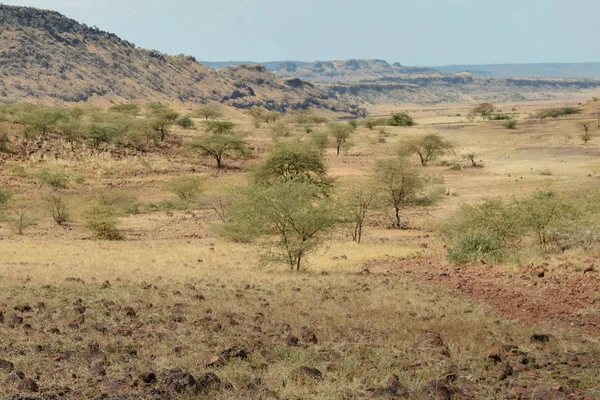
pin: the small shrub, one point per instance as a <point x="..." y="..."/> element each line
<point x="20" y="221"/>
<point x="5" y="197"/>
<point x="120" y="201"/>
<point x="187" y="188"/>
<point x="58" y="207"/>
<point x="586" y="138"/>
<point x="103" y="222"/>
<point x="455" y="167"/>
<point x="401" y="119"/>
<point x="79" y="178"/>
<point x="16" y="170"/>
<point x="56" y="179"/>
<point x="500" y="117"/>
<point x="510" y="124"/>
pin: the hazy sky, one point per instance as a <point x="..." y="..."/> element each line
<point x="412" y="32"/>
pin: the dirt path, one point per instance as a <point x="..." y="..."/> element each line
<point x="542" y="294"/>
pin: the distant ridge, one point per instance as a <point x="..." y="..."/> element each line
<point x="589" y="70"/>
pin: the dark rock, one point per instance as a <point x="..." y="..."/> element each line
<point x="233" y="352"/>
<point x="15" y="320"/>
<point x="148" y="377"/>
<point x="437" y="389"/>
<point x="540" y="338"/>
<point x="308" y="336"/>
<point x="179" y="381"/>
<point x="98" y="369"/>
<point x="304" y="374"/>
<point x="105" y="285"/>
<point x="208" y="381"/>
<point x="15" y="376"/>
<point x="6" y="366"/>
<point x="505" y="371"/>
<point x="494" y="355"/>
<point x="393" y="388"/>
<point x="130" y="312"/>
<point x="28" y="384"/>
<point x="24" y="308"/>
<point x="292" y="340"/>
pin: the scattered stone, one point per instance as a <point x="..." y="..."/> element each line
<point x="292" y="341"/>
<point x="213" y="360"/>
<point x="105" y="285"/>
<point x="589" y="269"/>
<point x="6" y="366"/>
<point x="98" y="369"/>
<point x="15" y="377"/>
<point x="208" y="381"/>
<point x="494" y="355"/>
<point x="79" y="320"/>
<point x="179" y="381"/>
<point x="540" y="338"/>
<point x="393" y="388"/>
<point x="148" y="377"/>
<point x="308" y="336"/>
<point x="1" y="317"/>
<point x="437" y="389"/>
<point x="24" y="308"/>
<point x="130" y="312"/>
<point x="28" y="384"/>
<point x="505" y="371"/>
<point x="304" y="374"/>
<point x="80" y="309"/>
<point x="15" y="320"/>
<point x="233" y="352"/>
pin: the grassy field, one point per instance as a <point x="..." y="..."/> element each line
<point x="85" y="318"/>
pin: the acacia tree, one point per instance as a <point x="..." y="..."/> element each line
<point x="400" y="183"/>
<point x="341" y="133"/>
<point x="40" y="120"/>
<point x="129" y="109"/>
<point x="358" y="204"/>
<point x="428" y="147"/>
<point x="208" y="111"/>
<point x="290" y="218"/>
<point x="161" y="118"/>
<point x="485" y="110"/>
<point x="219" y="127"/>
<point x="219" y="146"/>
<point x="293" y="162"/>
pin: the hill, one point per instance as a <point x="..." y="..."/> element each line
<point x="48" y="58"/>
<point x="540" y="70"/>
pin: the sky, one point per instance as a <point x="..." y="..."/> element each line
<point x="412" y="32"/>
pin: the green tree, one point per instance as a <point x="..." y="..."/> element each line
<point x="187" y="188"/>
<point x="258" y="115"/>
<point x="289" y="217"/>
<point x="219" y="127"/>
<point x="40" y="120"/>
<point x="401" y="119"/>
<point x="100" y="132"/>
<point x="293" y="162"/>
<point x="400" y="184"/>
<point x="341" y="133"/>
<point x="130" y="109"/>
<point x="428" y="147"/>
<point x="358" y="204"/>
<point x="208" y="111"/>
<point x="161" y="117"/>
<point x="219" y="146"/>
<point x="185" y="122"/>
<point x="484" y="110"/>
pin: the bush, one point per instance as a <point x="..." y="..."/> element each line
<point x="56" y="179"/>
<point x="510" y="124"/>
<point x="500" y="117"/>
<point x="187" y="188"/>
<point x="121" y="202"/>
<point x="57" y="205"/>
<point x="20" y="221"/>
<point x="5" y="196"/>
<point x="473" y="246"/>
<point x="185" y="122"/>
<point x="556" y="112"/>
<point x="401" y="119"/>
<point x="103" y="221"/>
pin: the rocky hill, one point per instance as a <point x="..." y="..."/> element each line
<point x="49" y="58"/>
<point x="347" y="70"/>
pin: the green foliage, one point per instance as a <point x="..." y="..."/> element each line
<point x="510" y="124"/>
<point x="41" y="120"/>
<point x="371" y="123"/>
<point x="101" y="133"/>
<point x="220" y="146"/>
<point x="121" y="202"/>
<point x="103" y="221"/>
<point x="208" y="111"/>
<point x="5" y="197"/>
<point x="400" y="184"/>
<point x="297" y="161"/>
<point x="320" y="139"/>
<point x="53" y="177"/>
<point x="356" y="205"/>
<point x="280" y="129"/>
<point x="219" y="127"/>
<point x="129" y="109"/>
<point x="161" y="118"/>
<point x="185" y="122"/>
<point x="307" y="116"/>
<point x="290" y="218"/>
<point x="401" y="119"/>
<point x="487" y="230"/>
<point x="340" y="133"/>
<point x="500" y="117"/>
<point x="484" y="110"/>
<point x="187" y="188"/>
<point x="557" y="112"/>
<point x="586" y="138"/>
<point x="20" y="220"/>
<point x="428" y="147"/>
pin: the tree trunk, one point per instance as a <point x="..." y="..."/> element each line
<point x="398" y="217"/>
<point x="298" y="262"/>
<point x="338" y="149"/>
<point x="219" y="165"/>
<point x="359" y="232"/>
